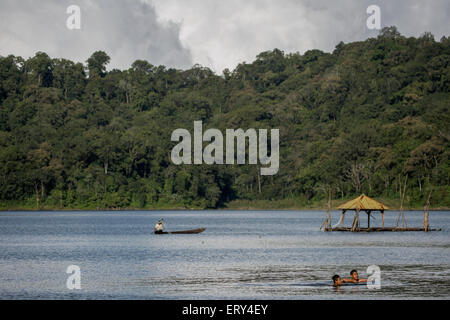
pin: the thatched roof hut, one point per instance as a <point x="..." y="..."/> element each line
<point x="362" y="203"/>
<point x="368" y="205"/>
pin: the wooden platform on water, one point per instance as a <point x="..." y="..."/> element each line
<point x="376" y="229"/>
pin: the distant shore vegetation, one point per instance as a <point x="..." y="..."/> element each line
<point x="364" y="118"/>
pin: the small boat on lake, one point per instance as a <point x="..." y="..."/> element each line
<point x="193" y="231"/>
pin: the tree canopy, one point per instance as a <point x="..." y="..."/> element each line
<point x="355" y="120"/>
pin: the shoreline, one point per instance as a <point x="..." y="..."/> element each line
<point x="241" y="205"/>
<point x="18" y="209"/>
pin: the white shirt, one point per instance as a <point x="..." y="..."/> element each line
<point x="159" y="226"/>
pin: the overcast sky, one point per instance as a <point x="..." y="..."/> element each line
<point x="214" y="33"/>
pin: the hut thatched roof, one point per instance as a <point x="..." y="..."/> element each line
<point x="363" y="202"/>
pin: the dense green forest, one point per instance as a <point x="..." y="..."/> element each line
<point x="362" y="119"/>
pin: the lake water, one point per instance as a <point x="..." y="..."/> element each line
<point x="241" y="255"/>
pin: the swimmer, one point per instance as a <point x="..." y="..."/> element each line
<point x="337" y="281"/>
<point x="354" y="278"/>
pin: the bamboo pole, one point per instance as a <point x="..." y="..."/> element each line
<point x="328" y="220"/>
<point x="355" y="224"/>
<point x="401" y="214"/>
<point x="326" y="225"/>
<point x="426" y="222"/>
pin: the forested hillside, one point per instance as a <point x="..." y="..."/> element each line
<point x="361" y="119"/>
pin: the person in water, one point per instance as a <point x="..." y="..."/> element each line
<point x="159" y="227"/>
<point x="354" y="278"/>
<point x="337" y="281"/>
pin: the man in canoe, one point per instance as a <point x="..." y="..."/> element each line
<point x="159" y="227"/>
<point x="354" y="278"/>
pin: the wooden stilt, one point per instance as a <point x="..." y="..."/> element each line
<point x="426" y="222"/>
<point x="342" y="217"/>
<point x="401" y="214"/>
<point x="369" y="212"/>
<point x="326" y="225"/>
<point x="355" y="224"/>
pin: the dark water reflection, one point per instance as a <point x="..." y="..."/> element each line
<point x="252" y="255"/>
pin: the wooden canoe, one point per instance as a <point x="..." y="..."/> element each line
<point x="193" y="231"/>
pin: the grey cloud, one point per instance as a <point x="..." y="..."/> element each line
<point x="221" y="34"/>
<point x="215" y="33"/>
<point x="127" y="30"/>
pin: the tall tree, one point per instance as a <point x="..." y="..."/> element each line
<point x="97" y="63"/>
